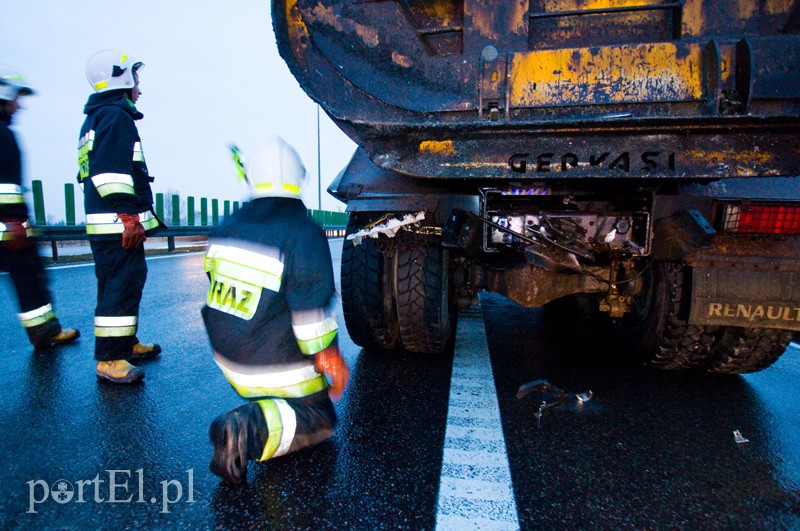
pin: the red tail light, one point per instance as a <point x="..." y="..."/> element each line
<point x="761" y="219"/>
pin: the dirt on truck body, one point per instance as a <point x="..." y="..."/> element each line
<point x="637" y="158"/>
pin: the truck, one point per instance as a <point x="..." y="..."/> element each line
<point x="636" y="159"/>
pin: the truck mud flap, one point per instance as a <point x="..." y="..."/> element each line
<point x="747" y="298"/>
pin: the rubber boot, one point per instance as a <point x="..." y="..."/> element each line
<point x="143" y="351"/>
<point x="238" y="436"/>
<point x="119" y="371"/>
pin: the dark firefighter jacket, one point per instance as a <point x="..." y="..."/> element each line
<point x="12" y="202"/>
<point x="270" y="303"/>
<point x="112" y="169"/>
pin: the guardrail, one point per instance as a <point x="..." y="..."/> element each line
<point x="60" y="233"/>
<point x="334" y="223"/>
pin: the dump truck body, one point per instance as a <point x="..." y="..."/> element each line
<point x="639" y="155"/>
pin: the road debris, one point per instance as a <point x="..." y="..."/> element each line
<point x="551" y="397"/>
<point x="584" y="397"/>
<point x="737" y="436"/>
<point x="539" y="414"/>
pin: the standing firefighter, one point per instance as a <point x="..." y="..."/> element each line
<point x="18" y="253"/>
<point x="269" y="316"/>
<point x="119" y="211"/>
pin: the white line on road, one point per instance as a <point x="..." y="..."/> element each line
<point x="91" y="264"/>
<point x="475" y="491"/>
<point x="148" y="258"/>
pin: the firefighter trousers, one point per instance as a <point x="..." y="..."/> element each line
<point x="29" y="278"/>
<point x="121" y="275"/>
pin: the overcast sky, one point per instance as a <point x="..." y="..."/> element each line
<point x="212" y="77"/>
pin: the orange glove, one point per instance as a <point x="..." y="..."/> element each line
<point x="18" y="233"/>
<point x="133" y="236"/>
<point x="330" y="363"/>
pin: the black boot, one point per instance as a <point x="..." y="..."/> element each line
<point x="238" y="436"/>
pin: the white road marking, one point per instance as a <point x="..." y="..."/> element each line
<point x="148" y="258"/>
<point x="91" y="263"/>
<point x="475" y="491"/>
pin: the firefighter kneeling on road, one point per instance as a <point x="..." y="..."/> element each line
<point x="269" y="316"/>
<point x="18" y="253"/>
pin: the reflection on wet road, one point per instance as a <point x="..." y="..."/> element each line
<point x="649" y="450"/>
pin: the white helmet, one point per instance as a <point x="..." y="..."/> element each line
<point x="12" y="84"/>
<point x="276" y="170"/>
<point x="112" y="70"/>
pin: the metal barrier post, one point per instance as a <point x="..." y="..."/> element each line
<point x="38" y="203"/>
<point x="69" y="203"/>
<point x="215" y="212"/>
<point x="226" y="208"/>
<point x="190" y="211"/>
<point x="160" y="205"/>
<point x="203" y="211"/>
<point x="235" y="206"/>
<point x="176" y="210"/>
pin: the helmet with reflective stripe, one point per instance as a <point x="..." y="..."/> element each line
<point x="12" y="84"/>
<point x="112" y="70"/>
<point x="276" y="170"/>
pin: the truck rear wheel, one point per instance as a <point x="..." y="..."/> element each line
<point x="744" y="350"/>
<point x="425" y="316"/>
<point x="657" y="330"/>
<point x="367" y="300"/>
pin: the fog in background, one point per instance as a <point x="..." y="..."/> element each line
<point x="212" y="77"/>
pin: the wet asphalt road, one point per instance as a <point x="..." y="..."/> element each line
<point x="650" y="450"/>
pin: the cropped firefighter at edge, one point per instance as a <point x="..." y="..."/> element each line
<point x="269" y="317"/>
<point x="119" y="211"/>
<point x="18" y="253"/>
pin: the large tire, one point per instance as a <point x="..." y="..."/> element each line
<point x="657" y="329"/>
<point x="367" y="300"/>
<point x="745" y="350"/>
<point x="425" y="316"/>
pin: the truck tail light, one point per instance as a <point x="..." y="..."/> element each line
<point x="764" y="218"/>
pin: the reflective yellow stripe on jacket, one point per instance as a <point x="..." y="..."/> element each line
<point x="6" y="236"/>
<point x="237" y="278"/>
<point x="247" y="266"/>
<point x="113" y="183"/>
<point x="109" y="223"/>
<point x="314" y="330"/>
<point x="138" y="154"/>
<point x="11" y="194"/>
